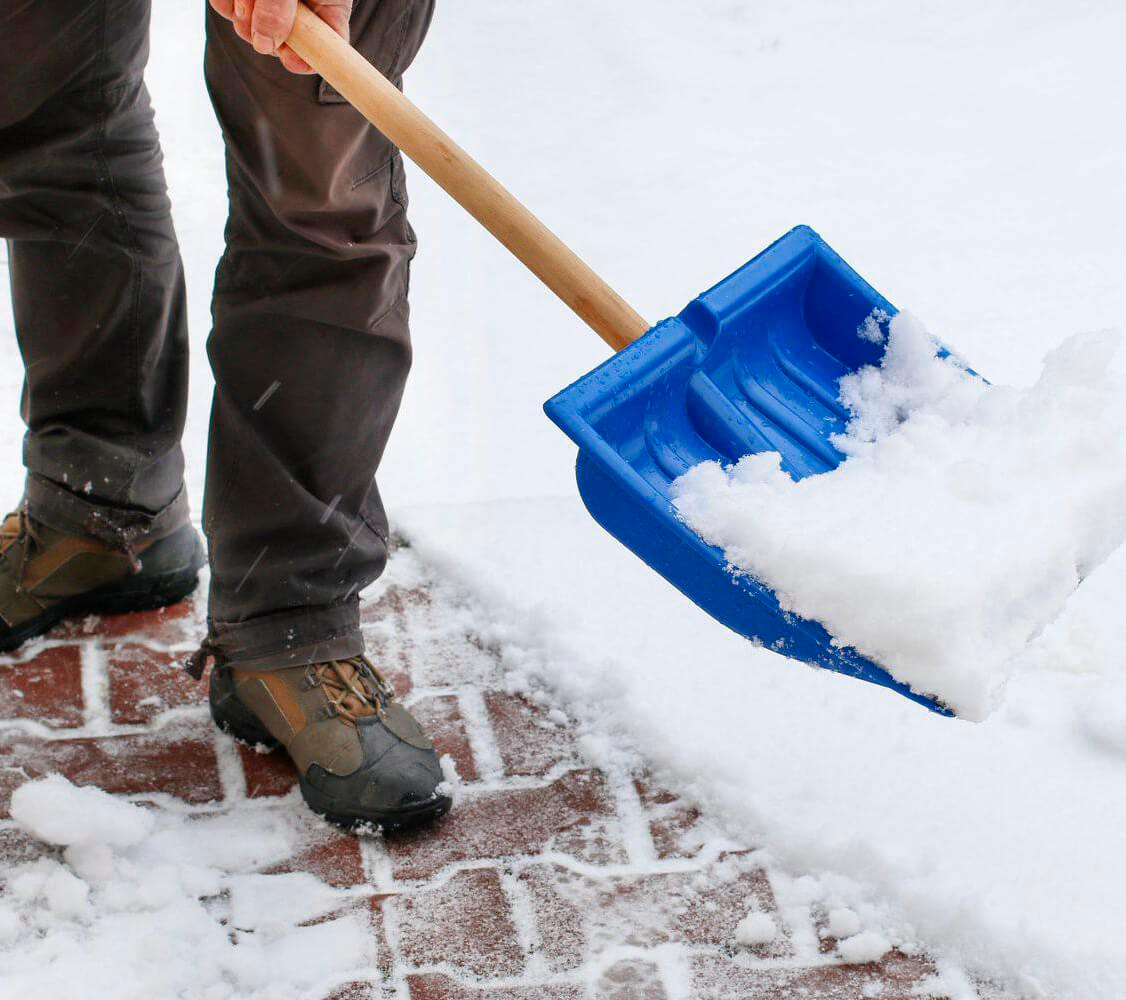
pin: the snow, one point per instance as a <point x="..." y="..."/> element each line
<point x="843" y="922"/>
<point x="451" y="781"/>
<point x="867" y="946"/>
<point x="980" y="840"/>
<point x="756" y="928"/>
<point x="167" y="897"/>
<point x="66" y="895"/>
<point x="57" y="812"/>
<point x="290" y="898"/>
<point x="961" y="521"/>
<point x="9" y="925"/>
<point x="958" y="155"/>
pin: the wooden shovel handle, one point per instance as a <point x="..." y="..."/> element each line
<point x="541" y="251"/>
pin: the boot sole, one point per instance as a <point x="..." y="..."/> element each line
<point x="113" y="599"/>
<point x="233" y="718"/>
<point x="385" y="821"/>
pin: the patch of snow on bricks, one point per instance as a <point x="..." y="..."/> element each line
<point x="843" y="922"/>
<point x="58" y="812"/>
<point x="171" y="898"/>
<point x="756" y="928"/>
<point x="867" y="946"/>
<point x="451" y="782"/>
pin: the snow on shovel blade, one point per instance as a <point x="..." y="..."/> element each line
<point x="751" y="365"/>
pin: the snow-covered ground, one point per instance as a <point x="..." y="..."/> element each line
<point x="965" y="157"/>
<point x="157" y="894"/>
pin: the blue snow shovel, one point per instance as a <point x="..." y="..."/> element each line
<point x="751" y="365"/>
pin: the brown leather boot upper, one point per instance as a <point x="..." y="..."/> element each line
<point x="40" y="567"/>
<point x="47" y="574"/>
<point x="313" y="710"/>
<point x="361" y="755"/>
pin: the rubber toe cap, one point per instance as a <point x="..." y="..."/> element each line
<point x="399" y="776"/>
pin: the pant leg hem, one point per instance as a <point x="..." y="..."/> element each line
<point x="289" y="638"/>
<point x="66" y="511"/>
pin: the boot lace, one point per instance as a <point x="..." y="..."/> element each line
<point x="354" y="687"/>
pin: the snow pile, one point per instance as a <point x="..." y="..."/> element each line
<point x="843" y="922"/>
<point x="755" y="929"/>
<point x="58" y="812"/>
<point x="962" y="519"/>
<point x="867" y="946"/>
<point x="926" y="828"/>
<point x="170" y="898"/>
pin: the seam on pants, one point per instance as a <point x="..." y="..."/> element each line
<point x="364" y="178"/>
<point x="376" y="323"/>
<point x="407" y="18"/>
<point x="373" y="529"/>
<point x="400" y="199"/>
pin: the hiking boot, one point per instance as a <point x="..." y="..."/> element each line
<point x="362" y="758"/>
<point x="48" y="575"/>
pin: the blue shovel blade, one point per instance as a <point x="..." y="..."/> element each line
<point x="751" y="365"/>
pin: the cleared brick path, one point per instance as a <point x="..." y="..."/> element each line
<point x="554" y="877"/>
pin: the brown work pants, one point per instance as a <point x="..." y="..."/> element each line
<point x="309" y="343"/>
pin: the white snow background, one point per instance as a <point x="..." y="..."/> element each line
<point x="967" y="159"/>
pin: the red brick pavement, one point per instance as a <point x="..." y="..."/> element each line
<point x="553" y="877"/>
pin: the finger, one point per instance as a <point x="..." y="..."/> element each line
<point x="271" y="21"/>
<point x="242" y="29"/>
<point x="293" y="62"/>
<point x="335" y="13"/>
<point x="225" y="8"/>
<point x="241" y="20"/>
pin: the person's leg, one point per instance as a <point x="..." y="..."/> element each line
<point x="97" y="283"/>
<point x="98" y="295"/>
<point x="310" y="350"/>
<point x="310" y="347"/>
